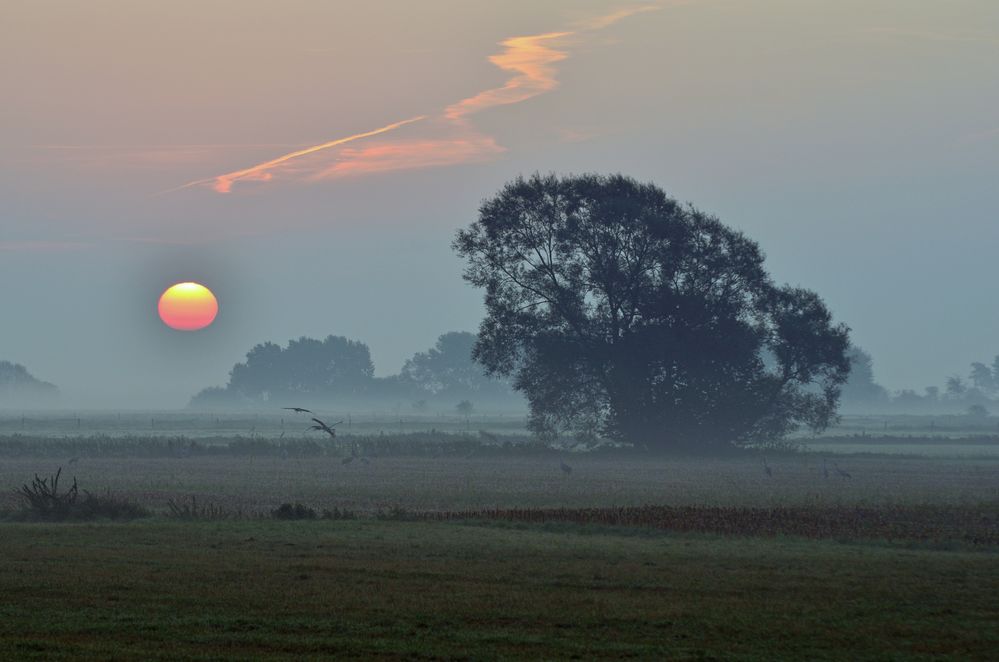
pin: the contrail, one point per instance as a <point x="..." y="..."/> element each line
<point x="530" y="59"/>
<point x="223" y="183"/>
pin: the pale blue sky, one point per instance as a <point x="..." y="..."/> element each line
<point x="858" y="142"/>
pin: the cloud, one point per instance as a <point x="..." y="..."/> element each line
<point x="450" y="140"/>
<point x="264" y="171"/>
<point x="530" y="60"/>
<point x="406" y="155"/>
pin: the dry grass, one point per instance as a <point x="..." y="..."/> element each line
<point x="935" y="526"/>
<point x="261" y="484"/>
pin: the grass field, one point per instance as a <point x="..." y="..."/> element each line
<point x="271" y="423"/>
<point x="301" y="590"/>
<point x="470" y="548"/>
<point x="251" y="484"/>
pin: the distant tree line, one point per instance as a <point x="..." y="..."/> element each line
<point x="19" y="388"/>
<point x="616" y="312"/>
<point x="337" y="370"/>
<point x="977" y="394"/>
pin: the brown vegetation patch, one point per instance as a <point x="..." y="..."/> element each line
<point x="978" y="526"/>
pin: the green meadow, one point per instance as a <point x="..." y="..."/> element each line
<point x="481" y="545"/>
<point x="414" y="590"/>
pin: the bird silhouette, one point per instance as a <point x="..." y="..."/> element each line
<point x="766" y="467"/>
<point x="74" y="460"/>
<point x="347" y="460"/>
<point x="298" y="410"/>
<point x="825" y="470"/>
<point x="841" y="472"/>
<point x="328" y="429"/>
<point x="566" y="469"/>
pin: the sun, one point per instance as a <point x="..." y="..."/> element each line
<point x="188" y="306"/>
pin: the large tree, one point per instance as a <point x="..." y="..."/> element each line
<point x="619" y="311"/>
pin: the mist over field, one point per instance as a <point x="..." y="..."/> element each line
<point x="476" y="330"/>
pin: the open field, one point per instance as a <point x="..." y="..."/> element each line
<point x="256" y="483"/>
<point x="484" y="546"/>
<point x="272" y="423"/>
<point x="393" y="590"/>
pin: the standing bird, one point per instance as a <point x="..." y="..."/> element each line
<point x="841" y="472"/>
<point x="566" y="469"/>
<point x="825" y="469"/>
<point x="766" y="467"/>
<point x="298" y="410"/>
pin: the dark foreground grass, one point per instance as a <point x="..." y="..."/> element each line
<point x="375" y="589"/>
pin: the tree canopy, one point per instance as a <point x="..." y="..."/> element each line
<point x="19" y="387"/>
<point x="306" y="367"/>
<point x="337" y="369"/>
<point x="619" y="311"/>
<point x="861" y="390"/>
<point x="448" y="370"/>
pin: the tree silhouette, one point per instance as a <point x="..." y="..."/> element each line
<point x="982" y="378"/>
<point x="861" y="388"/>
<point x="331" y="366"/>
<point x="448" y="369"/>
<point x="19" y="387"/>
<point x="618" y="310"/>
<point x="956" y="388"/>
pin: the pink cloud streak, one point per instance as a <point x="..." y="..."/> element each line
<point x="531" y="60"/>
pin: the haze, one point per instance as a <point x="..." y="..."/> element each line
<point x="142" y="145"/>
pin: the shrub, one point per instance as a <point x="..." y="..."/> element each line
<point x="42" y="500"/>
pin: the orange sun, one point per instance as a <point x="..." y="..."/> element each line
<point x="188" y="307"/>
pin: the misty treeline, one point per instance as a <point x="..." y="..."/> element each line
<point x="976" y="394"/>
<point x="617" y="313"/>
<point x="614" y="312"/>
<point x="18" y="387"/>
<point x="337" y="371"/>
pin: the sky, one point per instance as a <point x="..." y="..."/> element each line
<point x="311" y="161"/>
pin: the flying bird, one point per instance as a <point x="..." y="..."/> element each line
<point x="328" y="429"/>
<point x="841" y="472"/>
<point x="298" y="410"/>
